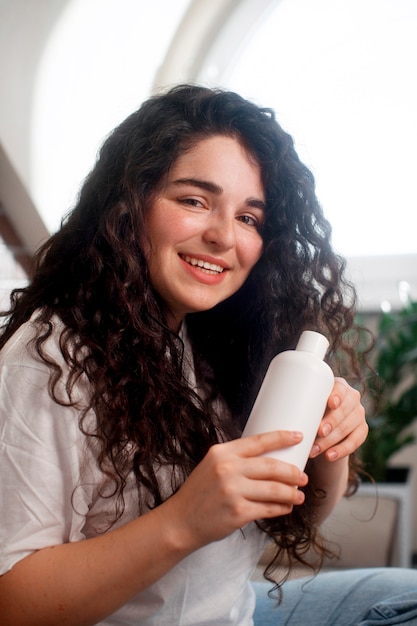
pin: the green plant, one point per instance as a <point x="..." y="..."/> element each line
<point x="393" y="391"/>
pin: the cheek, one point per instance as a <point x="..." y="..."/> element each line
<point x="160" y="232"/>
<point x="252" y="253"/>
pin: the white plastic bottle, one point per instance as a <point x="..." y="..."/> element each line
<point x="293" y="396"/>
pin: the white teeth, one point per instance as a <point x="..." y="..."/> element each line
<point x="203" y="264"/>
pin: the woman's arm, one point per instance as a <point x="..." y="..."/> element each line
<point x="342" y="430"/>
<point x="82" y="582"/>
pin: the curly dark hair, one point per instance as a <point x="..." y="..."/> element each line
<point x="93" y="275"/>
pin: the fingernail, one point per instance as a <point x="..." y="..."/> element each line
<point x="326" y="430"/>
<point x="336" y="401"/>
<point x="300" y="497"/>
<point x="332" y="455"/>
<point x="315" y="450"/>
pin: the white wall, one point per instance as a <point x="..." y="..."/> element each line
<point x="24" y="27"/>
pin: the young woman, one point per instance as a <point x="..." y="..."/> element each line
<point x="196" y="252"/>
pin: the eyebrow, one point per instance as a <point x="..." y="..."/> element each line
<point x="217" y="190"/>
<point x="202" y="184"/>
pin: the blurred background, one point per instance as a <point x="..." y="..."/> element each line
<point x="340" y="75"/>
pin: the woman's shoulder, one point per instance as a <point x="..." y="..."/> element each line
<point x="25" y="384"/>
<point x="20" y="348"/>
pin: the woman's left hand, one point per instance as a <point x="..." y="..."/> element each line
<point x="343" y="428"/>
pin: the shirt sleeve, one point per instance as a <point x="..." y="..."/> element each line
<point x="41" y="500"/>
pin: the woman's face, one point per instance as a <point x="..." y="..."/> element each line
<point x="204" y="227"/>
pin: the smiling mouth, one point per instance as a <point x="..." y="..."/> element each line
<point x="204" y="266"/>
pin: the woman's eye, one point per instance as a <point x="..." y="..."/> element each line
<point x="191" y="202"/>
<point x="249" y="220"/>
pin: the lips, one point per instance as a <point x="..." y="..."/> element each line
<point x="203" y="265"/>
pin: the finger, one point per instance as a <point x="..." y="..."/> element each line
<point x="347" y="405"/>
<point x="256" y="445"/>
<point x="252" y="510"/>
<point x="348" y="445"/>
<point x="347" y="419"/>
<point x="273" y="492"/>
<point x="352" y="429"/>
<point x="342" y="433"/>
<point x="267" y="468"/>
<point x="338" y="393"/>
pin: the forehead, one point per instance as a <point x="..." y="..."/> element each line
<point x="200" y="143"/>
<point x="217" y="153"/>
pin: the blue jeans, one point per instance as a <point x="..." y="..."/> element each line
<point x="362" y="597"/>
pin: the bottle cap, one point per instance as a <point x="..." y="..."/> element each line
<point x="313" y="342"/>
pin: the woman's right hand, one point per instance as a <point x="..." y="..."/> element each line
<point x="234" y="485"/>
<point x="84" y="581"/>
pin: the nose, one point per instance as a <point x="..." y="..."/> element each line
<point x="220" y="231"/>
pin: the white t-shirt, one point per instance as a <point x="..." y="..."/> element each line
<point x="49" y="483"/>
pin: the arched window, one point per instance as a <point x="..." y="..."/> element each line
<point x="340" y="76"/>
